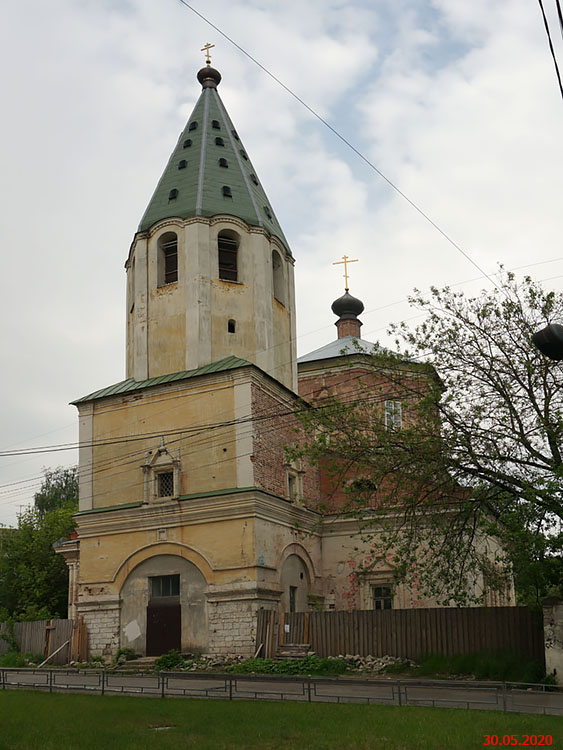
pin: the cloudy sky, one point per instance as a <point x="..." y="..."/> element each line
<point x="456" y="102"/>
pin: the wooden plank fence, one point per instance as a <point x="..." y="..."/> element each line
<point x="408" y="633"/>
<point x="46" y="636"/>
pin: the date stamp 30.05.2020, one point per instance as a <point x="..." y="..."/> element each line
<point x="503" y="740"/>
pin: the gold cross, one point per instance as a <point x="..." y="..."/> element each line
<point x="206" y="49"/>
<point x="345" y="260"/>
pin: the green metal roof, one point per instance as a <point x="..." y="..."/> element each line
<point x="129" y="385"/>
<point x="199" y="184"/>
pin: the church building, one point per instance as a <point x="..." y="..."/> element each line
<point x="191" y="516"/>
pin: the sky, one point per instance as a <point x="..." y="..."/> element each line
<point x="456" y="103"/>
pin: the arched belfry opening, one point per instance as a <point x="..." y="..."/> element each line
<point x="167" y="248"/>
<point x="228" y="243"/>
<point x="278" y="277"/>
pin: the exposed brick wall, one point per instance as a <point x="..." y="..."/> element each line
<point x="271" y="434"/>
<point x="349" y="384"/>
<point x="348" y="328"/>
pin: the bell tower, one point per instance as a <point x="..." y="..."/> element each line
<point x="210" y="272"/>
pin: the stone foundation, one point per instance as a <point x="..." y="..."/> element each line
<point x="232" y="625"/>
<point x="101" y="615"/>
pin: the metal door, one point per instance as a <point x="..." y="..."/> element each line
<point x="164" y="627"/>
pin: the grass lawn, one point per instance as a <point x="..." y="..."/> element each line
<point x="40" y="721"/>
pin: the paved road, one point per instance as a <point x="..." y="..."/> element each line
<point x="486" y="696"/>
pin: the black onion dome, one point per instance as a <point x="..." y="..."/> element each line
<point x="347" y="306"/>
<point x="209" y="77"/>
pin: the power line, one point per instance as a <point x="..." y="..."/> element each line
<point x="547" y="31"/>
<point x="560" y="16"/>
<point x="133" y="437"/>
<point x="35" y="482"/>
<point x="346" y="142"/>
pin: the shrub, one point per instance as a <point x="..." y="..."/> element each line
<point x="34" y="658"/>
<point x="127" y="653"/>
<point x="171" y="660"/>
<point x="12" y="659"/>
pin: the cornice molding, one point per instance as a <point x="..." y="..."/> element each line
<point x="215" y="509"/>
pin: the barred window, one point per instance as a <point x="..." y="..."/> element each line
<point x="165" y="586"/>
<point x="165" y="482"/>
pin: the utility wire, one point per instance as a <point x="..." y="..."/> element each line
<point x="36" y="481"/>
<point x="549" y="40"/>
<point x="560" y="16"/>
<point x="346" y="142"/>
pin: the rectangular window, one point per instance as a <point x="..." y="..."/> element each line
<point x="165" y="482"/>
<point x="164" y="586"/>
<point x="227" y="259"/>
<point x="393" y="415"/>
<point x="382" y="597"/>
<point x="170" y="250"/>
<point x="292" y="597"/>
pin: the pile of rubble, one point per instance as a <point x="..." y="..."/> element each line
<point x="377" y="664"/>
<point x="212" y="663"/>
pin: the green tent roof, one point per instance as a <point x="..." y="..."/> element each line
<point x="208" y="158"/>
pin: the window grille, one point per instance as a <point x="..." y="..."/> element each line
<point x="219" y="142"/>
<point x="193" y="125"/>
<point x="170" y="251"/>
<point x="173" y="194"/>
<point x="187" y="142"/>
<point x="215" y="125"/>
<point x="393" y="415"/>
<point x="165" y="586"/>
<point x="227" y="192"/>
<point x="228" y="249"/>
<point x="223" y="163"/>
<point x="165" y="484"/>
<point x="382" y="597"/>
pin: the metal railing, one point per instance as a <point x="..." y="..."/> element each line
<point x="495" y="696"/>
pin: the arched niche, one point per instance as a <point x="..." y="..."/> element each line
<point x="165" y="586"/>
<point x="295" y="584"/>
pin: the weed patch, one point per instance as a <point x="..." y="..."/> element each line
<point x="500" y="665"/>
<point x="308" y="665"/>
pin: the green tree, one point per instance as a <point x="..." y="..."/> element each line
<point x="480" y="451"/>
<point x="33" y="578"/>
<point x="58" y="490"/>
